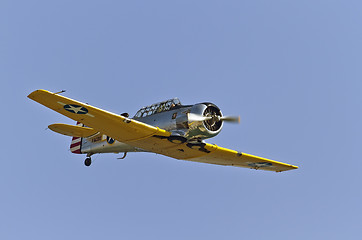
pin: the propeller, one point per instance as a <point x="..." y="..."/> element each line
<point x="198" y="118"/>
<point x="231" y="119"/>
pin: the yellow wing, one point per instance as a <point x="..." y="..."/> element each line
<point x="224" y="156"/>
<point x="147" y="137"/>
<point x="106" y="122"/>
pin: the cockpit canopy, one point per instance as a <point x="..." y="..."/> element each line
<point x="158" y="108"/>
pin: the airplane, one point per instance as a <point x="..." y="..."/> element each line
<point x="168" y="128"/>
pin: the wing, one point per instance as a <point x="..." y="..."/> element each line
<point x="148" y="137"/>
<point x="111" y="124"/>
<point x="224" y="156"/>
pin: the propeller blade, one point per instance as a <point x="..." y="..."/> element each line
<point x="197" y="118"/>
<point x="232" y="119"/>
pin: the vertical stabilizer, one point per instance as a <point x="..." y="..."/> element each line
<point x="76" y="145"/>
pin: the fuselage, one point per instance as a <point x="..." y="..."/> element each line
<point x="180" y="120"/>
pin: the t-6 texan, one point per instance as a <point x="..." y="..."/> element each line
<point x="168" y="128"/>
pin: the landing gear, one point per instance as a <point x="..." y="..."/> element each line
<point x="88" y="161"/>
<point x="124" y="156"/>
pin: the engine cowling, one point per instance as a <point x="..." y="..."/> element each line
<point x="201" y="128"/>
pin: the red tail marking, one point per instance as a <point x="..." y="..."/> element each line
<point x="75" y="146"/>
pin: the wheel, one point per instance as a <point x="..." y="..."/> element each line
<point x="88" y="162"/>
<point x="177" y="139"/>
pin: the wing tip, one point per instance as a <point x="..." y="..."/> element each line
<point x="289" y="167"/>
<point x="36" y="93"/>
<point x="294" y="167"/>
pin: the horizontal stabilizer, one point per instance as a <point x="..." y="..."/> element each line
<point x="70" y="130"/>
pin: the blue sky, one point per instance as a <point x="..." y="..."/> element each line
<point x="290" y="69"/>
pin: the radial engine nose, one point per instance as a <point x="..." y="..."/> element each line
<point x="204" y="121"/>
<point x="213" y="117"/>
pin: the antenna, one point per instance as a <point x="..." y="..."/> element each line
<point x="60" y="92"/>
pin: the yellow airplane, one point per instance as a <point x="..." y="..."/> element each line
<point x="168" y="128"/>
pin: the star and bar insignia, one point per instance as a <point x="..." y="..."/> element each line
<point x="75" y="109"/>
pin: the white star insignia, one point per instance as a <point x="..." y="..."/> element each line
<point x="77" y="110"/>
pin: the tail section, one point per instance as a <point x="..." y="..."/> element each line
<point x="76" y="145"/>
